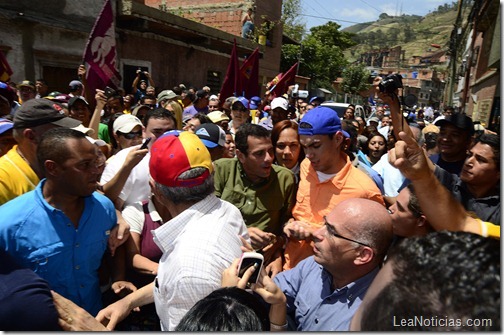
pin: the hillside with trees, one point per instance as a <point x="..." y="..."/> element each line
<point x="415" y="34"/>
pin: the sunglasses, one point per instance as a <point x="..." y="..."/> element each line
<point x="131" y="135"/>
<point x="330" y="230"/>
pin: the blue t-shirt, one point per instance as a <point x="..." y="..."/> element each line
<point x="43" y="239"/>
<point x="312" y="301"/>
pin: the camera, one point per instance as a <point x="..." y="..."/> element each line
<point x="391" y="83"/>
<point x="297" y="93"/>
<point x="109" y="92"/>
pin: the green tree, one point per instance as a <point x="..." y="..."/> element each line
<point x="355" y="78"/>
<point x="320" y="54"/>
<point x="330" y="34"/>
<point x="383" y="16"/>
<point x="291" y="19"/>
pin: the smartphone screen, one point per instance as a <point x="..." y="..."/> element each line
<point x="247" y="263"/>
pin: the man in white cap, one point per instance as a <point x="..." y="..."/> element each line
<point x="219" y="118"/>
<point x="279" y="112"/>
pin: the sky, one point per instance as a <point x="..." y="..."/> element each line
<point x="349" y="12"/>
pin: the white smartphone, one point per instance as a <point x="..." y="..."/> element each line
<point x="247" y="260"/>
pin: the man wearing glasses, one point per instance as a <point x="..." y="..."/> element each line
<point x="324" y="290"/>
<point x="327" y="177"/>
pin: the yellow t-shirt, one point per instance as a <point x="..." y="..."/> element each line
<point x="16" y="176"/>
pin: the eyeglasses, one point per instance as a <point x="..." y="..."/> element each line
<point x="331" y="231"/>
<point x="151" y="106"/>
<point x="131" y="135"/>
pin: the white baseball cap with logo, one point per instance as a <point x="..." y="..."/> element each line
<point x="279" y="102"/>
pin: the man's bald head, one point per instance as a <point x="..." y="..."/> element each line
<point x="369" y="222"/>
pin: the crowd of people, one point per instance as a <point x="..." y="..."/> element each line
<point x="129" y="209"/>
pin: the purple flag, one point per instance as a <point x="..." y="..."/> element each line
<point x="100" y="53"/>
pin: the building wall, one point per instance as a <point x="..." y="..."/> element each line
<point x="48" y="41"/>
<point x="31" y="46"/>
<point x="481" y="99"/>
<point x="226" y="16"/>
<point x="171" y="64"/>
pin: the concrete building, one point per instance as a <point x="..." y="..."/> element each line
<point x="479" y="89"/>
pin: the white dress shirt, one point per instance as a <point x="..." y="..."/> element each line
<point x="197" y="245"/>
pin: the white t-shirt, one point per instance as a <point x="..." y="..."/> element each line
<point x="392" y="177"/>
<point x="136" y="188"/>
<point x="135" y="216"/>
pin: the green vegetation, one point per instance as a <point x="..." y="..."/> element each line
<point x="415" y="34"/>
<point x="321" y="54"/>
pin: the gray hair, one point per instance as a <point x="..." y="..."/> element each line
<point x="192" y="194"/>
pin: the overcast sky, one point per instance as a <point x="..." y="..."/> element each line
<point x="350" y="12"/>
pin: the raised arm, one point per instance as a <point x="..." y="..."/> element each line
<point x="149" y="78"/>
<point x="113" y="188"/>
<point x="398" y="122"/>
<point x="135" y="81"/>
<point x="94" y="123"/>
<point x="442" y="210"/>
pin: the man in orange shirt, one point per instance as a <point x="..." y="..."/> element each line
<point x="327" y="177"/>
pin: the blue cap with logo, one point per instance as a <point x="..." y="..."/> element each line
<point x="243" y="101"/>
<point x="254" y="102"/>
<point x="321" y="121"/>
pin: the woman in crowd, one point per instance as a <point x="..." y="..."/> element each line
<point x="375" y="147"/>
<point x="176" y="108"/>
<point x="240" y="114"/>
<point x="126" y="132"/>
<point x="285" y="140"/>
<point x="230" y="148"/>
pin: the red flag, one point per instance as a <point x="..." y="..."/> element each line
<point x="284" y="81"/>
<point x="249" y="73"/>
<point x="232" y="83"/>
<point x="5" y="70"/>
<point x="100" y="53"/>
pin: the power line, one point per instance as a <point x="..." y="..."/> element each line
<point x="378" y="10"/>
<point x="374" y="24"/>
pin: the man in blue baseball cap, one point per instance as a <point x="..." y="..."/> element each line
<point x="327" y="177"/>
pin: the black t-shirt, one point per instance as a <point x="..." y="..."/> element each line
<point x="452" y="167"/>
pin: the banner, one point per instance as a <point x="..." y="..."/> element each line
<point x="100" y="53"/>
<point x="280" y="84"/>
<point x="249" y="73"/>
<point x="231" y="85"/>
<point x="5" y="70"/>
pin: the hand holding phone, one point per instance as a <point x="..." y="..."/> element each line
<point x="247" y="260"/>
<point x="145" y="143"/>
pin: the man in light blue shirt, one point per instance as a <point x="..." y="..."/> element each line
<point x="60" y="230"/>
<point x="324" y="290"/>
